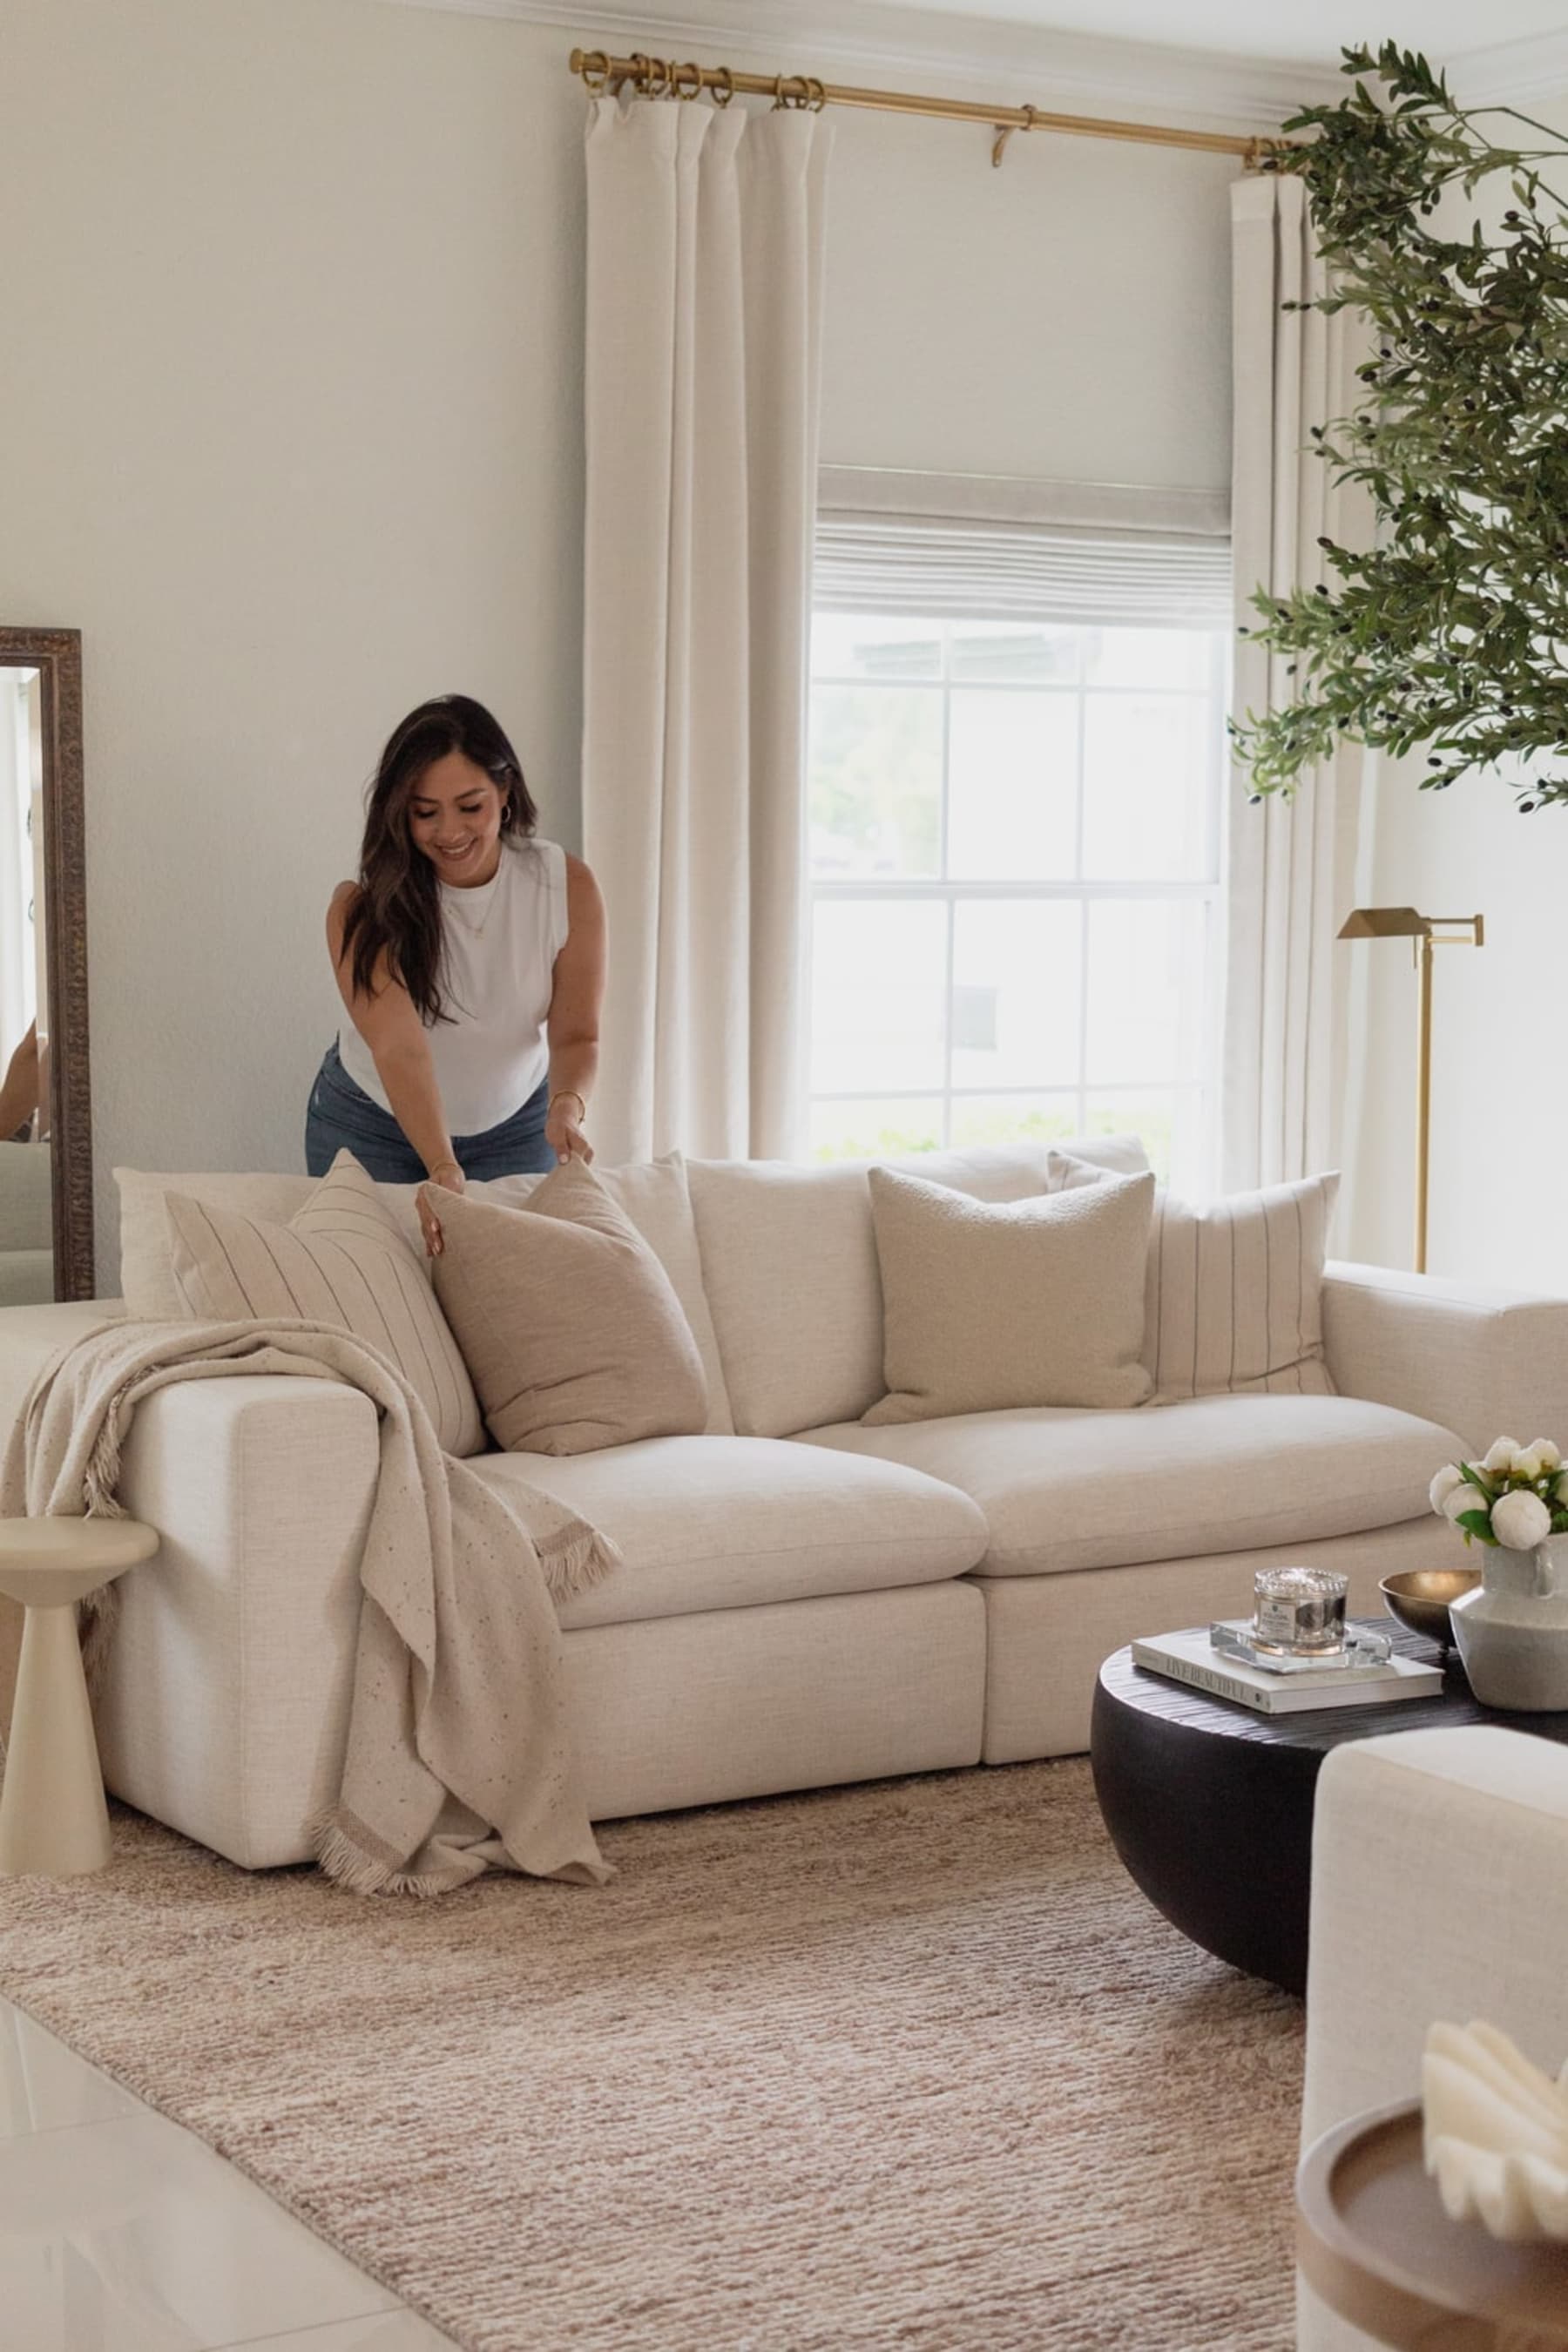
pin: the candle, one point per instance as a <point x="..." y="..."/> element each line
<point x="1299" y="1610"/>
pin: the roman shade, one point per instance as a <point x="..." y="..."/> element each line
<point x="993" y="546"/>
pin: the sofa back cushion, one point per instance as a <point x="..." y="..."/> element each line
<point x="989" y="1305"/>
<point x="789" y="1265"/>
<point x="652" y="1194"/>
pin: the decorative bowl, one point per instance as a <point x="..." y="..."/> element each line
<point x="1420" y="1597"/>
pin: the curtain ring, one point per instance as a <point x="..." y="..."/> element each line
<point x="816" y="96"/>
<point x="660" y="84"/>
<point x="722" y="85"/>
<point x="778" y="92"/>
<point x="678" y="81"/>
<point x="595" y="72"/>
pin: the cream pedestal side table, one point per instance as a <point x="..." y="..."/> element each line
<point x="53" y="1819"/>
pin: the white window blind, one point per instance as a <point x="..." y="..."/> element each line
<point x="991" y="547"/>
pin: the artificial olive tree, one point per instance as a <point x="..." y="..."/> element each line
<point x="1450" y="636"/>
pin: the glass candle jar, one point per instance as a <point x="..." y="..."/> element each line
<point x="1299" y="1611"/>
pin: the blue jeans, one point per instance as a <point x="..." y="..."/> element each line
<point x="342" y="1118"/>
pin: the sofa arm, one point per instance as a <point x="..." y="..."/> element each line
<point x="1439" y="1890"/>
<point x="29" y="1336"/>
<point x="224" y="1697"/>
<point x="1484" y="1363"/>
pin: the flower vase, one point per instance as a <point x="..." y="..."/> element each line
<point x="1512" y="1631"/>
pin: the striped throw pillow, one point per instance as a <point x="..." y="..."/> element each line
<point x="339" y="1259"/>
<point x="1233" y="1301"/>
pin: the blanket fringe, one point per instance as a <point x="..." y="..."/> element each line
<point x="99" y="1616"/>
<point x="349" y="1865"/>
<point x="576" y="1562"/>
<point x="102" y="1475"/>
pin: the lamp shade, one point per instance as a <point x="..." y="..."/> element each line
<point x="1385" y="923"/>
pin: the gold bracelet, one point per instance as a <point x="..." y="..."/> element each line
<point x="432" y="1172"/>
<point x="576" y="1098"/>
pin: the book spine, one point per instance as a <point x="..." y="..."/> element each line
<point x="1208" y="1678"/>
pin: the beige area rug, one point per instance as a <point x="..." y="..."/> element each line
<point x="909" y="2064"/>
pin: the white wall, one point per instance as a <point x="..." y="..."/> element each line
<point x="1499" y="1113"/>
<point x="296" y="442"/>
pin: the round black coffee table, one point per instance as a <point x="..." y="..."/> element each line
<point x="1210" y="1806"/>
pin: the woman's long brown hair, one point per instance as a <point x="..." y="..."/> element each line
<point x="397" y="909"/>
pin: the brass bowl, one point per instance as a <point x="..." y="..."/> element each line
<point x="1420" y="1596"/>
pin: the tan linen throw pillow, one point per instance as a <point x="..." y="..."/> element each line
<point x="568" y="1322"/>
<point x="339" y="1259"/>
<point x="989" y="1305"/>
<point x="1235" y="1296"/>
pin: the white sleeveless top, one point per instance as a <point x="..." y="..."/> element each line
<point x="502" y="937"/>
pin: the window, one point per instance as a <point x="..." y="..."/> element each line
<point x="1014" y="862"/>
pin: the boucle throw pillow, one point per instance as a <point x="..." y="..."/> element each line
<point x="1233" y="1301"/>
<point x="988" y="1305"/>
<point x="339" y="1259"/>
<point x="569" y="1324"/>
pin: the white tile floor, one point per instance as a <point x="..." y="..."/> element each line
<point x="121" y="2233"/>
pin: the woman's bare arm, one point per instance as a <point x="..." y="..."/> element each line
<point x="577" y="1001"/>
<point x="393" y="1030"/>
<point x="20" y="1089"/>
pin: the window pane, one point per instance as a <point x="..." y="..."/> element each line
<point x="1014" y="1118"/>
<point x="879" y="974"/>
<point x="871" y="644"/>
<point x="1012" y="786"/>
<point x="1148" y="657"/>
<point x="1153" y="1118"/>
<point x="875" y="780"/>
<point x="1145" y="991"/>
<point x="874" y="1130"/>
<point x="1015" y="650"/>
<point x="1149" y="765"/>
<point x="1016" y="974"/>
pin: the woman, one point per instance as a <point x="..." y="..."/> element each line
<point x="470" y="960"/>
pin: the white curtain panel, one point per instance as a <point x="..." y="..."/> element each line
<point x="704" y="309"/>
<point x="1291" y="864"/>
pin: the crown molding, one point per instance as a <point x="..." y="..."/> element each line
<point x="1008" y="61"/>
<point x="1513" y="73"/>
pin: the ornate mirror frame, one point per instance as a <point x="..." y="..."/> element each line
<point x="55" y="655"/>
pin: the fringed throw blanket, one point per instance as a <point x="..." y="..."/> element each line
<point x="459" y="1754"/>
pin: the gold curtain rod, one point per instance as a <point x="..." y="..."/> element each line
<point x="663" y="77"/>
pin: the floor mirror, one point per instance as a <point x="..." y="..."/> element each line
<point x="46" y="1118"/>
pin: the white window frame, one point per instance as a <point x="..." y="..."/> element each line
<point x="1194" y="1138"/>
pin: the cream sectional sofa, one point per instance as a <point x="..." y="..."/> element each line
<point x="804" y="1600"/>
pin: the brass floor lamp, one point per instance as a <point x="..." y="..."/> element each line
<point x="1424" y="932"/>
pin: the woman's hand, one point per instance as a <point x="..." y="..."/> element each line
<point x="450" y="1177"/>
<point x="563" y="1127"/>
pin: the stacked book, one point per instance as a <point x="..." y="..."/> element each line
<point x="1191" y="1658"/>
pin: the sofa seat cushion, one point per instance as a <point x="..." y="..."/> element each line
<point x="729" y="1522"/>
<point x="1063" y="1489"/>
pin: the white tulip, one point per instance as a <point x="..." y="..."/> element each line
<point x="1500" y="1456"/>
<point x="1521" y="1521"/>
<point x="1465" y="1498"/>
<point x="1527" y="1463"/>
<point x="1551" y="1459"/>
<point x="1449" y="1479"/>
